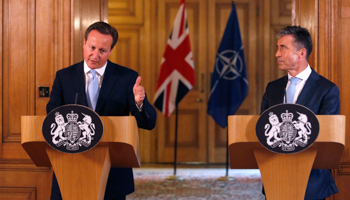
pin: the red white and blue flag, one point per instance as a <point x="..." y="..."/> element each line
<point x="176" y="76"/>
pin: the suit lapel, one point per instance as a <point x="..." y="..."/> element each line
<point x="280" y="90"/>
<point x="109" y="78"/>
<point x="78" y="81"/>
<point x="309" y="87"/>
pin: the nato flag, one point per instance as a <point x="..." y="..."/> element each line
<point x="229" y="83"/>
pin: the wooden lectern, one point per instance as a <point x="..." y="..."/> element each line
<point x="84" y="175"/>
<point x="285" y="176"/>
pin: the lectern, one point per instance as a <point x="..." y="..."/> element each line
<point x="285" y="176"/>
<point x="84" y="175"/>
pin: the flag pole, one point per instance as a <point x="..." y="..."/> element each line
<point x="228" y="94"/>
<point x="226" y="177"/>
<point x="175" y="177"/>
<point x="183" y="74"/>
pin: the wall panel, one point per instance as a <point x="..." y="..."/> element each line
<point x="126" y="11"/>
<point x="248" y="18"/>
<point x="141" y="47"/>
<point x="36" y="41"/>
<point x="338" y="28"/>
<point x="192" y="108"/>
<point x="17" y="87"/>
<point x="329" y="29"/>
<point x="134" y="50"/>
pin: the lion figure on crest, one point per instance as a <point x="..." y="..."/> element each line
<point x="59" y="131"/>
<point x="272" y="133"/>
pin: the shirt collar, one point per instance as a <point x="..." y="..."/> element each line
<point x="304" y="75"/>
<point x="100" y="71"/>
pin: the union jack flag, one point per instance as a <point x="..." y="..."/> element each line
<point x="176" y="75"/>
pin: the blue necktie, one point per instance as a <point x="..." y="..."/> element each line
<point x="93" y="90"/>
<point x="291" y="89"/>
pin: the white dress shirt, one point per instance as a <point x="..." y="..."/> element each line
<point x="88" y="75"/>
<point x="99" y="73"/>
<point x="303" y="76"/>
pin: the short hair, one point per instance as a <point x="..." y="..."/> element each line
<point x="302" y="38"/>
<point x="103" y="28"/>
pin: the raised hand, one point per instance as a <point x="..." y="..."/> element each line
<point x="139" y="92"/>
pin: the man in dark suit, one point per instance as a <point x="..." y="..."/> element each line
<point x="312" y="90"/>
<point x="120" y="94"/>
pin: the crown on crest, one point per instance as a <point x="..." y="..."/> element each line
<point x="72" y="117"/>
<point x="287" y="117"/>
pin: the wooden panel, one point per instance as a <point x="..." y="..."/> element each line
<point x="28" y="56"/>
<point x="45" y="32"/>
<point x="186" y="137"/>
<point x="31" y="178"/>
<point x="247" y="17"/>
<point x="342" y="183"/>
<point x="20" y="89"/>
<point x="307" y="17"/>
<point x="281" y="11"/>
<point x="148" y="71"/>
<point x="85" y="12"/>
<point x="81" y="175"/>
<point x="345" y="12"/>
<point x="18" y="93"/>
<point x="329" y="30"/>
<point x="157" y="23"/>
<point x="285" y="169"/>
<point x="36" y="36"/>
<point x="275" y="73"/>
<point x="126" y="11"/>
<point x="275" y="14"/>
<point x="1" y="75"/>
<point x="192" y="109"/>
<point x="344" y="169"/>
<point x="341" y="40"/>
<point x="52" y="46"/>
<point x="126" y="52"/>
<point x="135" y="49"/>
<point x="17" y="193"/>
<point x="343" y="45"/>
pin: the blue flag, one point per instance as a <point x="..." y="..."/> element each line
<point x="229" y="83"/>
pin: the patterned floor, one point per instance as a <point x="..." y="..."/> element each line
<point x="198" y="184"/>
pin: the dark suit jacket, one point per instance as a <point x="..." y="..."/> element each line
<point x="322" y="97"/>
<point x="116" y="98"/>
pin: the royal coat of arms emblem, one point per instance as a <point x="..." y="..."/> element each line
<point x="287" y="128"/>
<point x="72" y="129"/>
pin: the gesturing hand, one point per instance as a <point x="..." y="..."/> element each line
<point x="139" y="92"/>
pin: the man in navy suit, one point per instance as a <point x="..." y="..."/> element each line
<point x="120" y="94"/>
<point x="312" y="90"/>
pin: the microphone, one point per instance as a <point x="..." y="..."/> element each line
<point x="285" y="96"/>
<point x="76" y="98"/>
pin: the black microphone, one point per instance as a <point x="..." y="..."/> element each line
<point x="285" y="96"/>
<point x="76" y="98"/>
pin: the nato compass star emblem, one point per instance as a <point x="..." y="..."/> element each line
<point x="229" y="64"/>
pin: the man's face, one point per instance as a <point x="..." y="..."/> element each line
<point x="287" y="55"/>
<point x="97" y="49"/>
